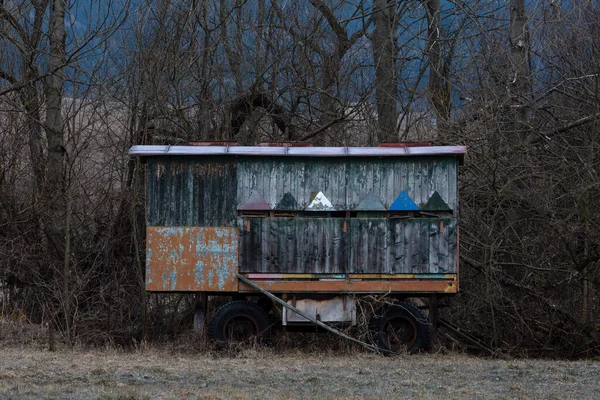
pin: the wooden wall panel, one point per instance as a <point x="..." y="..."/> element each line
<point x="273" y="177"/>
<point x="293" y="245"/>
<point x="191" y="192"/>
<point x="374" y="246"/>
<point x="386" y="178"/>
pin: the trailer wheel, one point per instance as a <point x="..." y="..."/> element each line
<point x="239" y="321"/>
<point x="401" y="327"/>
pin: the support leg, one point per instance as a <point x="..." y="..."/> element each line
<point x="200" y="312"/>
<point x="434" y="316"/>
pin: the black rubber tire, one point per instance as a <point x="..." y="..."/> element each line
<point x="251" y="318"/>
<point x="410" y="328"/>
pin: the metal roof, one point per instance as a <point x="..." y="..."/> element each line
<point x="145" y="151"/>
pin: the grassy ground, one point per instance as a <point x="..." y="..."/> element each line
<point x="28" y="372"/>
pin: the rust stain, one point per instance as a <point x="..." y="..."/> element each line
<point x="406" y="144"/>
<point x="349" y="286"/>
<point x="285" y="144"/>
<point x="191" y="259"/>
<point x="441" y="226"/>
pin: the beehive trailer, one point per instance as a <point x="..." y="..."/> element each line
<point x="316" y="226"/>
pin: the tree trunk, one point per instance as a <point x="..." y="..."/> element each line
<point x="31" y="102"/>
<point x="386" y="80"/>
<point x="57" y="217"/>
<point x="54" y="84"/>
<point x="438" y="86"/>
<point x="519" y="74"/>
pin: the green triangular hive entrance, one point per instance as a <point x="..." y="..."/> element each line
<point x="370" y="203"/>
<point x="287" y="203"/>
<point x="436" y="203"/>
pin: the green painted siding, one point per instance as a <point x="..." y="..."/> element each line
<point x="368" y="245"/>
<point x="273" y="177"/>
<point x="191" y="191"/>
<point x="345" y="181"/>
<point x="293" y="245"/>
<point x="387" y="177"/>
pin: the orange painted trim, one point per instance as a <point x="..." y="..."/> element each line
<point x="352" y="286"/>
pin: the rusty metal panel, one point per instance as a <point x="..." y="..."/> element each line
<point x="191" y="259"/>
<point x="337" y="309"/>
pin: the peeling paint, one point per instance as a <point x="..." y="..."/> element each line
<point x="191" y="258"/>
<point x="173" y="279"/>
<point x="318" y="202"/>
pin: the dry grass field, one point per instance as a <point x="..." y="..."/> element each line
<point x="183" y="371"/>
<point x="28" y="372"/>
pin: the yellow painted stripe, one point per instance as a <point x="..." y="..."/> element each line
<point x="352" y="276"/>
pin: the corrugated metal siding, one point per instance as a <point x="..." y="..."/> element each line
<point x="367" y="245"/>
<point x="190" y="191"/>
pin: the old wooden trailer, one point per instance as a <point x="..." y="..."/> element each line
<point x="316" y="226"/>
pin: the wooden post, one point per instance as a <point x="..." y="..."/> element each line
<point x="434" y="316"/>
<point x="200" y="312"/>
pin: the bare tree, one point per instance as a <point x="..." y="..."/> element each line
<point x="385" y="54"/>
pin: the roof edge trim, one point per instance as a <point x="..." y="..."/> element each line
<point x="165" y="150"/>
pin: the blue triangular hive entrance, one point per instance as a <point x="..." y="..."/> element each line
<point x="370" y="203"/>
<point x="404" y="203"/>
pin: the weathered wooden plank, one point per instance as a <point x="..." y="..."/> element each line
<point x="274" y="177"/>
<point x="386" y="178"/>
<point x="368" y="245"/>
<point x="397" y="249"/>
<point x="319" y="245"/>
<point x="345" y="181"/>
<point x="434" y="238"/>
<point x="191" y="192"/>
<point x="294" y="245"/>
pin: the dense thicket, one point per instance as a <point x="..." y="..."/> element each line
<point x="518" y="83"/>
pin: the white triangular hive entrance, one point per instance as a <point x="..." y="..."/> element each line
<point x="318" y="202"/>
